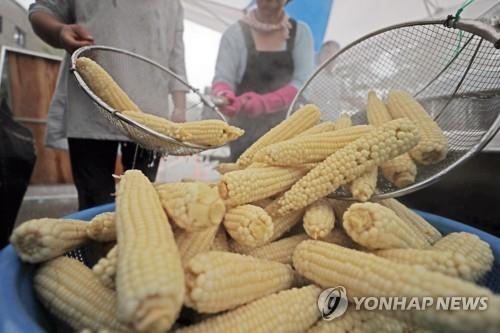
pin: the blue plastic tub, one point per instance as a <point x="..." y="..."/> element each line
<point x="21" y="312"/>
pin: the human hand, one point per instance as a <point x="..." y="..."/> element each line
<point x="178" y="116"/>
<point x="231" y="105"/>
<point x="252" y="103"/>
<point x="74" y="36"/>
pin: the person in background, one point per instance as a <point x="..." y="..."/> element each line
<point x="328" y="49"/>
<point x="155" y="31"/>
<point x="263" y="60"/>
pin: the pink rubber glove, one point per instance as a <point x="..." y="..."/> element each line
<point x="233" y="106"/>
<point x="254" y="104"/>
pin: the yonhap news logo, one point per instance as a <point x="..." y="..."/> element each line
<point x="332" y="303"/>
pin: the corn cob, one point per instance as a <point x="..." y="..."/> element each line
<point x="102" y="228"/>
<point x="377" y="227"/>
<point x="220" y="242"/>
<point x="263" y="203"/>
<point x="219" y="281"/>
<point x="309" y="148"/>
<point x="159" y="125"/>
<point x="280" y="251"/>
<point x="43" y="239"/>
<point x="211" y="132"/>
<point x="417" y="223"/>
<point x="359" y="321"/>
<point x="365" y="274"/>
<point x="249" y="225"/>
<point x="245" y="186"/>
<point x="376" y="112"/>
<point x="400" y="171"/>
<point x="103" y="85"/>
<point x="192" y="206"/>
<point x="363" y="187"/>
<point x="319" y="219"/>
<point x="283" y="224"/>
<point x="71" y="292"/>
<point x="325" y="126"/>
<point x="384" y="143"/>
<point x="224" y="168"/>
<point x="476" y="251"/>
<point x="288" y="311"/>
<point x="344" y="121"/>
<point x="433" y="145"/>
<point x="298" y="122"/>
<point x="149" y="279"/>
<point x="446" y="262"/>
<point x="105" y="269"/>
<point x="192" y="243"/>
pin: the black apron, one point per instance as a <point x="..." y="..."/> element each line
<point x="266" y="71"/>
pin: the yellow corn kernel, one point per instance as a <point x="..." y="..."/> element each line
<point x="249" y="225"/>
<point x="319" y="219"/>
<point x="43" y="239"/>
<point x="280" y="251"/>
<point x="103" y="85"/>
<point x="211" y="132"/>
<point x="71" y="292"/>
<point x="309" y="148"/>
<point x="325" y="126"/>
<point x="382" y="144"/>
<point x="192" y="243"/>
<point x="400" y="171"/>
<point x="359" y="321"/>
<point x="149" y="277"/>
<point x="376" y="111"/>
<point x="224" y="168"/>
<point x="476" y="251"/>
<point x="446" y="262"/>
<point x="102" y="227"/>
<point x="344" y="121"/>
<point x="105" y="269"/>
<point x="417" y="223"/>
<point x="433" y="145"/>
<point x="219" y="281"/>
<point x="377" y="227"/>
<point x="365" y="274"/>
<point x="249" y="185"/>
<point x="298" y="122"/>
<point x="159" y="125"/>
<point x="288" y="311"/>
<point x="192" y="206"/>
<point x="363" y="187"/>
<point x="220" y="242"/>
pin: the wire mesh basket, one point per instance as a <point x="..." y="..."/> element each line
<point x="458" y="84"/>
<point x="148" y="84"/>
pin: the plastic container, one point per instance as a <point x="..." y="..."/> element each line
<point x="21" y="312"/>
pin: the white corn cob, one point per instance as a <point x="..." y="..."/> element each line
<point x="280" y="250"/>
<point x="219" y="281"/>
<point x="344" y="121"/>
<point x="211" y="132"/>
<point x="159" y="125"/>
<point x="102" y="227"/>
<point x="249" y="225"/>
<point x="384" y="143"/>
<point x="220" y="242"/>
<point x="71" y="292"/>
<point x="301" y="120"/>
<point x="365" y="274"/>
<point x="433" y="145"/>
<point x="192" y="206"/>
<point x="288" y="311"/>
<point x="319" y="219"/>
<point x="363" y="187"/>
<point x="417" y="223"/>
<point x="149" y="278"/>
<point x="192" y="243"/>
<point x="325" y="126"/>
<point x="377" y="227"/>
<point x="105" y="269"/>
<point x="43" y="239"/>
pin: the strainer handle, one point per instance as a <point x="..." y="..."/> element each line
<point x="475" y="27"/>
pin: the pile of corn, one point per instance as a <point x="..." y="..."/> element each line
<point x="252" y="252"/>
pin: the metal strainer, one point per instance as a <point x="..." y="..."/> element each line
<point x="147" y="83"/>
<point x="457" y="83"/>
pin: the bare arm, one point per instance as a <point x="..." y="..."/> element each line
<point x="57" y="34"/>
<point x="179" y="99"/>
